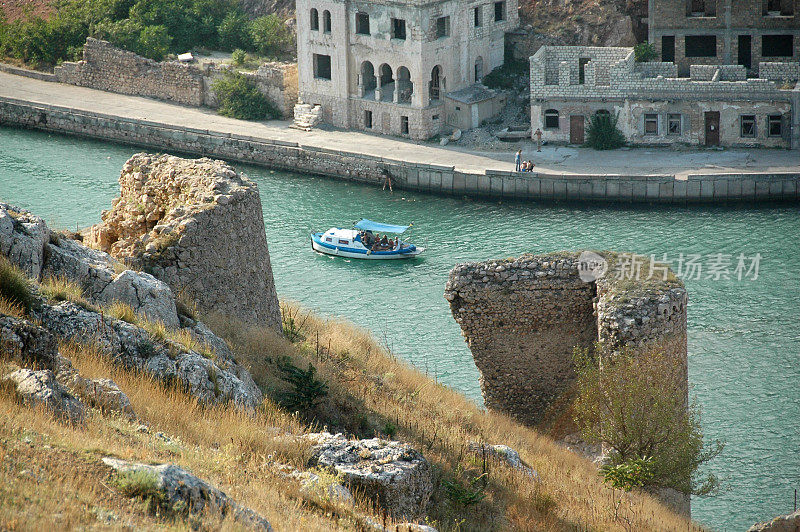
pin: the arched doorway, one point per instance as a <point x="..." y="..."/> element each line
<point x="478" y="69"/>
<point x="386" y="83"/>
<point x="367" y="81"/>
<point x="436" y="84"/>
<point x="405" y="88"/>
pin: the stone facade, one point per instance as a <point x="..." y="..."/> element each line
<point x="717" y="106"/>
<point x="198" y="226"/>
<point x="523" y="317"/>
<point x="408" y="175"/>
<point x="112" y="69"/>
<point x="385" y="67"/>
<point x="737" y="32"/>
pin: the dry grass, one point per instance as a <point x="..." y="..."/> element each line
<point x="57" y="289"/>
<point x="52" y="472"/>
<point x="373" y="393"/>
<point x="58" y="479"/>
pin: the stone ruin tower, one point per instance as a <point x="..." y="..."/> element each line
<point x="198" y="226"/>
<point x="523" y="317"/>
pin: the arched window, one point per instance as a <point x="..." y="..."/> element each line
<point x="314" y="19"/>
<point x="386" y="82"/>
<point x="478" y="69"/>
<point x="404" y="85"/>
<point x="326" y="21"/>
<point x="368" y="79"/>
<point x="435" y="86"/>
<point x="551" y="119"/>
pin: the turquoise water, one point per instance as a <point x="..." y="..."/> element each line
<point x="744" y="336"/>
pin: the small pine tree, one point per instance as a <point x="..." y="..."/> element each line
<point x="306" y="391"/>
<point x="603" y="133"/>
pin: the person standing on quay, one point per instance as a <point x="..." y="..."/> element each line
<point x="518" y="160"/>
<point x="538" y="134"/>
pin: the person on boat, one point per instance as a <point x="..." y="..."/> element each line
<point x="384" y="242"/>
<point x="396" y="243"/>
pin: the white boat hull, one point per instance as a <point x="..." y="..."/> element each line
<point x="377" y="255"/>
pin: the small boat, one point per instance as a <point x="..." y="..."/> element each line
<point x="361" y="242"/>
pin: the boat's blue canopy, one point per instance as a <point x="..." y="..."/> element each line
<point x="369" y="225"/>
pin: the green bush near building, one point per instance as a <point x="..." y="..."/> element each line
<point x="644" y="51"/>
<point x="240" y="98"/>
<point x="603" y="133"/>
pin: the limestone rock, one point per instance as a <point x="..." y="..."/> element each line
<point x="22" y="239"/>
<point x="390" y="472"/>
<point x="145" y="294"/>
<point x="182" y="489"/>
<point x="103" y="394"/>
<point x="198" y="226"/>
<point x="28" y="344"/>
<point x="783" y="523"/>
<point x="40" y="387"/>
<point x="95" y="272"/>
<point x="504" y="454"/>
<point x="212" y="381"/>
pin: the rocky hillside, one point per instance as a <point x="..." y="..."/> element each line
<point x="587" y="22"/>
<point x="121" y="406"/>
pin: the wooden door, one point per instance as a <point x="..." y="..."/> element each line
<point x="712" y="128"/>
<point x="576" y="123"/>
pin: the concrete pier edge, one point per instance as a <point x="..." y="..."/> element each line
<point x="436" y="179"/>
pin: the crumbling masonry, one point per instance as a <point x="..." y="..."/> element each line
<point x="523" y="317"/>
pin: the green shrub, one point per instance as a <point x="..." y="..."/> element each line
<point x="644" y="51"/>
<point x="15" y="287"/>
<point x="306" y="391"/>
<point x="137" y="483"/>
<point x="270" y="36"/>
<point x="147" y="41"/>
<point x="603" y="134"/>
<point x="240" y="98"/>
<point x="238" y="57"/>
<point x="151" y="28"/>
<point x="633" y="473"/>
<point x="636" y="405"/>
<point x="234" y="32"/>
<point x="466" y="495"/>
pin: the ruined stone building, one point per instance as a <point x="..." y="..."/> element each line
<point x="717" y="105"/>
<point x="386" y="66"/>
<point x="729" y="32"/>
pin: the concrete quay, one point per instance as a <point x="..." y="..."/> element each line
<point x="566" y="174"/>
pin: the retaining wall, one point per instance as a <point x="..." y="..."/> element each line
<point x="436" y="179"/>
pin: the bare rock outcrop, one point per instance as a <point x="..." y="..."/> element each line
<point x="503" y="454"/>
<point x="212" y="380"/>
<point x="523" y="317"/>
<point x="390" y="472"/>
<point x="198" y="226"/>
<point x="184" y="492"/>
<point x="783" y="523"/>
<point x="184" y="351"/>
<point x="22" y="238"/>
<point x="96" y="272"/>
<point x="41" y="388"/>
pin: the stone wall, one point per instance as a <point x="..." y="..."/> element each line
<point x="779" y="71"/>
<point x="434" y="179"/>
<point x="523" y="317"/>
<point x="198" y="226"/>
<point x="109" y="68"/>
<point x="112" y="69"/>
